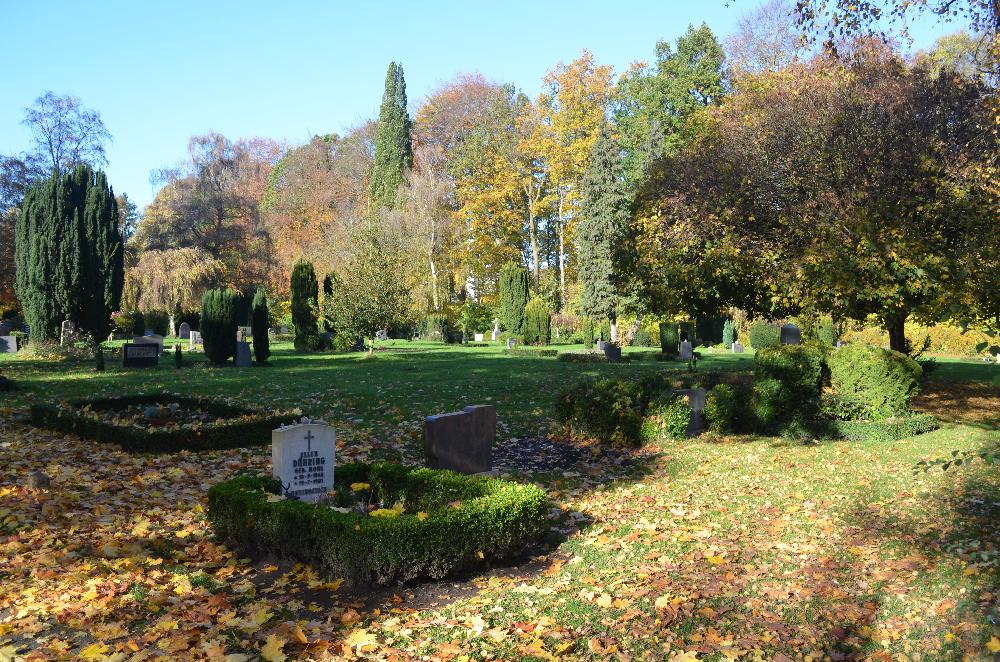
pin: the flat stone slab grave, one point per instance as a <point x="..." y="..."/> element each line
<point x="462" y="440"/>
<point x="302" y="458"/>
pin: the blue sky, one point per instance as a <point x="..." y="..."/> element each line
<point x="159" y="72"/>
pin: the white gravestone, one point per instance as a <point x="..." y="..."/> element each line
<point x="737" y="347"/>
<point x="302" y="458"/>
<point x="687" y="352"/>
<point x="496" y="330"/>
<point x="478" y="337"/>
<point x="194" y="340"/>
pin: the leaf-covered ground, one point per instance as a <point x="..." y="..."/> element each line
<point x="746" y="548"/>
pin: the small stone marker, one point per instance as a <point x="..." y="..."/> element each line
<point x="243" y="359"/>
<point x="302" y="458"/>
<point x="184" y="332"/>
<point x="461" y="440"/>
<point x="696" y="401"/>
<point x="686" y="351"/>
<point x="737" y="347"/>
<point x="382" y="334"/>
<point x="479" y="337"/>
<point x="790" y="335"/>
<point x="8" y="344"/>
<point x="496" y="330"/>
<point x="601" y="344"/>
<point x="284" y="330"/>
<point x="511" y="342"/>
<point x="141" y="355"/>
<point x="195" y="339"/>
<point x="67" y="331"/>
<point x="271" y="331"/>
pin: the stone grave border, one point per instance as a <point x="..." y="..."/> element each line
<point x="245" y="426"/>
<point x="475" y="521"/>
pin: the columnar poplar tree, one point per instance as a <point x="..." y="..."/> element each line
<point x="305" y="302"/>
<point x="513" y="297"/>
<point x="601" y="234"/>
<point x="69" y="253"/>
<point x="393" y="147"/>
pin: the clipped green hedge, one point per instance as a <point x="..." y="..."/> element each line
<point x="531" y="351"/>
<point x="450" y="523"/>
<point x="582" y="357"/>
<point x="608" y="410"/>
<point x="244" y="426"/>
<point x="890" y="429"/>
<point x="668" y="415"/>
<point x="876" y="382"/>
<point x="788" y="380"/>
<point x="764" y="334"/>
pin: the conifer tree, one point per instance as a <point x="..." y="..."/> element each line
<point x="218" y="324"/>
<point x="259" y="325"/>
<point x="69" y="254"/>
<point x="305" y="303"/>
<point x="513" y="297"/>
<point x="393" y="147"/>
<point x="602" y="234"/>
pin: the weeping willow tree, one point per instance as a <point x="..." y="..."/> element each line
<point x="177" y="277"/>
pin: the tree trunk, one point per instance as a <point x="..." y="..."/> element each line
<point x="533" y="233"/>
<point x="634" y="329"/>
<point x="897" y="336"/>
<point x="434" y="285"/>
<point x="562" y="265"/>
<point x="613" y="321"/>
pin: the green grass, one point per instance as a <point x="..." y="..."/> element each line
<point x="406" y="381"/>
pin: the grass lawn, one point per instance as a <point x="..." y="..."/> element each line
<point x="715" y="548"/>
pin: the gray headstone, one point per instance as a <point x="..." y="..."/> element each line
<point x="790" y="335"/>
<point x="601" y="344"/>
<point x="8" y="344"/>
<point x="150" y="340"/>
<point x="140" y="355"/>
<point x="737" y="347"/>
<point x="511" y="342"/>
<point x="149" y="332"/>
<point x="461" y="441"/>
<point x="496" y="330"/>
<point x="284" y="330"/>
<point x="613" y="352"/>
<point x="381" y="334"/>
<point x="696" y="401"/>
<point x="303" y="457"/>
<point x="686" y="351"/>
<point x="184" y="333"/>
<point x="66" y="332"/>
<point x="243" y="359"/>
<point x="195" y="339"/>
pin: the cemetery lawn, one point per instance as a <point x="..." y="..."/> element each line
<point x="715" y="548"/>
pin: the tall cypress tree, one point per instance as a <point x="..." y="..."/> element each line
<point x="513" y="297"/>
<point x="393" y="147"/>
<point x="259" y="325"/>
<point x="602" y="231"/>
<point x="69" y="253"/>
<point x="305" y="302"/>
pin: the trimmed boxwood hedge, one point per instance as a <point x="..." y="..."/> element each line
<point x="890" y="429"/>
<point x="531" y="351"/>
<point x="244" y="426"/>
<point x="470" y="520"/>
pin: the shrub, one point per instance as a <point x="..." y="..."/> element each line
<point x="643" y="339"/>
<point x="434" y="327"/>
<point x="587" y="329"/>
<point x="243" y="427"/>
<point x="259" y="325"/>
<point x="158" y="321"/>
<point x="769" y="404"/>
<point x="669" y="415"/>
<point x="726" y="408"/>
<point x="475" y="318"/>
<point x="890" y="429"/>
<point x="513" y="290"/>
<point x="451" y="523"/>
<point x="583" y="357"/>
<point x="218" y="324"/>
<point x="826" y="333"/>
<point x="537" y="322"/>
<point x="728" y="333"/>
<point x="608" y="410"/>
<point x="138" y="323"/>
<point x="98" y="358"/>
<point x="178" y="357"/>
<point x="798" y="367"/>
<point x="531" y="351"/>
<point x="305" y="303"/>
<point x="763" y="334"/>
<point x="668" y="337"/>
<point x="875" y="381"/>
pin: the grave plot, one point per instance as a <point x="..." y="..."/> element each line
<point x="382" y="523"/>
<point x="161" y="422"/>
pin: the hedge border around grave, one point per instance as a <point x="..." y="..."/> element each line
<point x="470" y="521"/>
<point x="531" y="351"/>
<point x="891" y="429"/>
<point x="252" y="426"/>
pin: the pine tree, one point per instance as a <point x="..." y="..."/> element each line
<point x="69" y="254"/>
<point x="305" y="303"/>
<point x="259" y="325"/>
<point x="218" y="324"/>
<point x="728" y="333"/>
<point x="327" y="303"/>
<point x="601" y="233"/>
<point x="393" y="147"/>
<point x="513" y="297"/>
